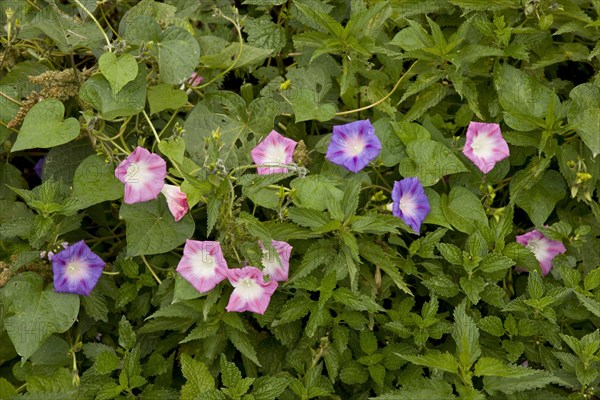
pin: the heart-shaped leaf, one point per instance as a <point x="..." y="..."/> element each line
<point x="44" y="127"/>
<point x="164" y="96"/>
<point x="178" y="54"/>
<point x="151" y="229"/>
<point x="34" y="314"/>
<point x="118" y="71"/>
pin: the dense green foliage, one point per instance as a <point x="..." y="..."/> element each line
<point x="370" y="310"/>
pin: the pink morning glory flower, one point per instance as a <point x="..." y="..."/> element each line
<point x="353" y="145"/>
<point x="410" y="202"/>
<point x="543" y="248"/>
<point x="202" y="264"/>
<point x="143" y="174"/>
<point x="195" y="79"/>
<point x="277" y="269"/>
<point x="76" y="269"/>
<point x="275" y="149"/>
<point x="176" y="200"/>
<point x="485" y="145"/>
<point x="251" y="292"/>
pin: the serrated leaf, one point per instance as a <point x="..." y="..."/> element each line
<point x="241" y="342"/>
<point x="492" y="325"/>
<point x="466" y="337"/>
<point x="431" y="161"/>
<point x="592" y="279"/>
<point x="355" y="301"/>
<point x="444" y="361"/>
<point x="127" y="336"/>
<point x="47" y="117"/>
<point x="451" y="253"/>
<point x="463" y="210"/>
<point x="199" y="378"/>
<point x="494" y="262"/>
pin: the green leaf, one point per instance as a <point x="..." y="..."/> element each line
<point x="118" y="71"/>
<point x="424" y="389"/>
<point x="174" y="148"/>
<point x="590" y="304"/>
<point x="151" y="229"/>
<point x="165" y="97"/>
<point x="535" y="287"/>
<point x="431" y="161"/>
<point x="543" y="196"/>
<point x="7" y="390"/>
<point x="199" y="378"/>
<point x="230" y="374"/>
<point x="443" y="361"/>
<point x="368" y="342"/>
<point x="521" y="95"/>
<point x="466" y="337"/>
<point x="472" y="287"/>
<point x="587" y="125"/>
<point x="47" y="117"/>
<point x="312" y="191"/>
<point x="250" y="55"/>
<point x="265" y="34"/>
<point x="269" y="387"/>
<point x="127" y="336"/>
<point x="307" y="107"/>
<point x="492" y="325"/>
<point x="35" y="314"/>
<point x="354" y="373"/>
<point x="95" y="182"/>
<point x="106" y="362"/>
<point x="177" y="54"/>
<point x="513" y="384"/>
<point x="356" y="301"/>
<point x="451" y="253"/>
<point x="592" y="279"/>
<point x="495" y="262"/>
<point x="463" y="210"/>
<point x="242" y="343"/>
<point x="130" y="100"/>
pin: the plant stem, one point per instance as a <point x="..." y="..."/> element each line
<point x="97" y="24"/>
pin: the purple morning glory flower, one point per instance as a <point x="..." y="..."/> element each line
<point x="353" y="145"/>
<point x="76" y="269"/>
<point x="410" y="202"/>
<point x="38" y="167"/>
<point x="485" y="145"/>
<point x="543" y="248"/>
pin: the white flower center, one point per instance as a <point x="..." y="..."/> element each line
<point x="249" y="289"/>
<point x="276" y="155"/>
<point x="204" y="264"/>
<point x="354" y="146"/>
<point x="483" y="145"/>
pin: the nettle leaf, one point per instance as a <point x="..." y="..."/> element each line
<point x="177" y="53"/>
<point x="118" y="71"/>
<point x="130" y="100"/>
<point x="44" y="127"/>
<point x="34" y="314"/>
<point x="265" y="34"/>
<point x="151" y="229"/>
<point x="199" y="378"/>
<point x="435" y="360"/>
<point x="466" y="337"/>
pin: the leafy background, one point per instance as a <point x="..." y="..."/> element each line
<point x="370" y="309"/>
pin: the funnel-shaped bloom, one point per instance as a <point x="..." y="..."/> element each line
<point x="176" y="200"/>
<point x="275" y="149"/>
<point x="543" y="248"/>
<point x="251" y="292"/>
<point x="485" y="145"/>
<point x="410" y="202"/>
<point x="277" y="269"/>
<point x="143" y="174"/>
<point x="353" y="145"/>
<point x="195" y="79"/>
<point x="202" y="264"/>
<point x="76" y="269"/>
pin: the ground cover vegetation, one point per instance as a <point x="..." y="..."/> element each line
<point x="300" y="199"/>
